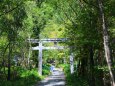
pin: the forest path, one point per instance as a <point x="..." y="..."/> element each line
<point x="56" y="79"/>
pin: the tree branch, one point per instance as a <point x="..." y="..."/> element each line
<point x="4" y="13"/>
<point x="73" y="9"/>
<point x="90" y="4"/>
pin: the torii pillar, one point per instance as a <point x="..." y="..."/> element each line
<point x="40" y="59"/>
<point x="71" y="63"/>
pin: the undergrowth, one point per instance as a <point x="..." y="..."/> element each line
<point x="25" y="77"/>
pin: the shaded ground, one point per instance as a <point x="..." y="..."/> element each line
<point x="56" y="79"/>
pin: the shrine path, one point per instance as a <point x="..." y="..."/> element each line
<point x="56" y="79"/>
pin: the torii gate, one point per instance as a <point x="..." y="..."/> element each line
<point x="40" y="47"/>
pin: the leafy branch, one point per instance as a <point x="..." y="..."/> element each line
<point x="4" y="13"/>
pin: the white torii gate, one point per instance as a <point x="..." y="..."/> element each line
<point x="40" y="47"/>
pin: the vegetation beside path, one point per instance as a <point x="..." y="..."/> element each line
<point x="24" y="77"/>
<point x="76" y="79"/>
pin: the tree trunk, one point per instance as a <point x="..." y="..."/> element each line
<point x="91" y="60"/>
<point x="29" y="54"/>
<point x="106" y="42"/>
<point x="83" y="71"/>
<point x="9" y="61"/>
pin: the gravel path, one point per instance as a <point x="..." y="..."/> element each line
<point x="56" y="79"/>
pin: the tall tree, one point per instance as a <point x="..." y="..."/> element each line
<point x="11" y="17"/>
<point x="106" y="42"/>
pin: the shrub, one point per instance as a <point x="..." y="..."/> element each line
<point x="46" y="69"/>
<point x="27" y="78"/>
<point x="74" y="79"/>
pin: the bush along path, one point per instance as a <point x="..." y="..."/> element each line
<point x="57" y="78"/>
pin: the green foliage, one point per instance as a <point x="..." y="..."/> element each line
<point x="74" y="79"/>
<point x="26" y="78"/>
<point x="54" y="29"/>
<point x="46" y="69"/>
<point x="98" y="77"/>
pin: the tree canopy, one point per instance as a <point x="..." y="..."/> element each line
<point x="88" y="25"/>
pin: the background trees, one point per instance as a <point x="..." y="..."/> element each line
<point x="84" y="28"/>
<point x="88" y="25"/>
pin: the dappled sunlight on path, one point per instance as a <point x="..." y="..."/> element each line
<point x="56" y="79"/>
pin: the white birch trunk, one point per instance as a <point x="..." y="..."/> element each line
<point x="106" y="42"/>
